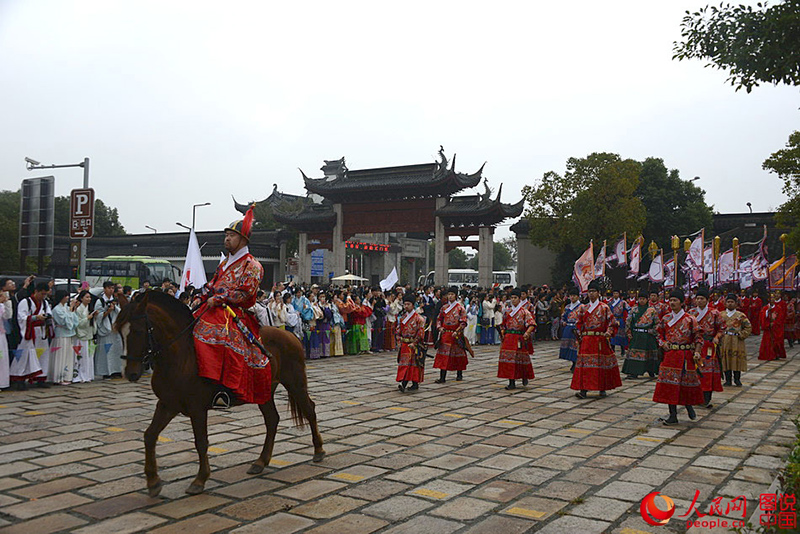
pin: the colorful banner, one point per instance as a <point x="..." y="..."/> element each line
<point x="745" y="272"/>
<point x="781" y="274"/>
<point x="696" y="250"/>
<point x="621" y="251"/>
<point x="583" y="272"/>
<point x="656" y="273"/>
<point x="726" y="267"/>
<point x="636" y="258"/>
<point x="600" y="264"/>
<point x="669" y="274"/>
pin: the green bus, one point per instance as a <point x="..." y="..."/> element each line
<point x="130" y="271"/>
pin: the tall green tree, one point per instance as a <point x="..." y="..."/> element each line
<point x="753" y="44"/>
<point x="456" y="258"/>
<point x="672" y="205"/>
<point x="594" y="200"/>
<point x="786" y="164"/>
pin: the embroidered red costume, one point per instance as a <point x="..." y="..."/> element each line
<point x="754" y="314"/>
<point x="772" y="321"/>
<point x="711" y="327"/>
<point x="515" y="351"/>
<point x="678" y="382"/>
<point x="451" y="356"/>
<point x="410" y="336"/>
<point x="596" y="368"/>
<point x="224" y="354"/>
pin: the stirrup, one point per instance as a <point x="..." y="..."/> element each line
<point x="222" y="401"/>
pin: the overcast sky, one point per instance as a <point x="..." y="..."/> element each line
<point x="179" y="103"/>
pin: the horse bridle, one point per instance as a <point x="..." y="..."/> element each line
<point x="153" y="350"/>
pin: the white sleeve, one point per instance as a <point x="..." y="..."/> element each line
<point x="23" y="311"/>
<point x="8" y="309"/>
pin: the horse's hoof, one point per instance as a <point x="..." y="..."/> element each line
<point x="318" y="457"/>
<point x="255" y="469"/>
<point x="195" y="489"/>
<point x="154" y="491"/>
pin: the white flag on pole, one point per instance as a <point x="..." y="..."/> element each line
<point x="389" y="282"/>
<point x="194" y="274"/>
<point x="656" y="273"/>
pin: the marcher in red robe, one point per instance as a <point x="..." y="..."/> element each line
<point x="680" y="339"/>
<point x="451" y="354"/>
<point x="596" y="368"/>
<point x="656" y="303"/>
<point x="712" y="327"/>
<point x="772" y="321"/>
<point x="410" y="336"/>
<point x="224" y="353"/>
<point x="754" y="313"/>
<point x="517" y="347"/>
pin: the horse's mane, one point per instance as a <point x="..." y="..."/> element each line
<point x="171" y="306"/>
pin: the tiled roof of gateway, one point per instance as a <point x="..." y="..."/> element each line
<point x="276" y="198"/>
<point x="312" y="218"/>
<point x="406" y="181"/>
<point x="478" y="209"/>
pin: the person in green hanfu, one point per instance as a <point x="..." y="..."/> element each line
<point x="643" y="351"/>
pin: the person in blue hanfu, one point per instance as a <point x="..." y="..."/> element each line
<point x="569" y="344"/>
<point x="620" y="309"/>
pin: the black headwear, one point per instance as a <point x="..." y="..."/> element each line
<point x="678" y="294"/>
<point x="594" y="284"/>
<point x="573" y="291"/>
<point x="517" y="292"/>
<point x="408" y="297"/>
<point x="702" y="292"/>
<point x="732" y="296"/>
<point x="452" y="289"/>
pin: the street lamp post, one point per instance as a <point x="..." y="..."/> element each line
<point x="151" y="228"/>
<point x="35" y="165"/>
<point x="194" y="207"/>
<point x="184" y="226"/>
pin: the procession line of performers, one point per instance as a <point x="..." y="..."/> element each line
<point x="690" y="351"/>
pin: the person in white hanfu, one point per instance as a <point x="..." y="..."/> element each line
<point x="34" y="317"/>
<point x="107" y="357"/>
<point x="6" y="313"/>
<point x="62" y="353"/>
<point x="84" y="335"/>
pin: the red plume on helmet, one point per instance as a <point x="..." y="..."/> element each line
<point x="244" y="227"/>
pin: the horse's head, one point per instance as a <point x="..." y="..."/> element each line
<point x="138" y="342"/>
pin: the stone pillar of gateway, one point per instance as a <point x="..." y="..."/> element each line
<point x="416" y="200"/>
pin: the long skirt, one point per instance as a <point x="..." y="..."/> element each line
<point x="107" y="360"/>
<point x="471" y="331"/>
<point x="84" y="361"/>
<point x="337" y="346"/>
<point x="487" y="332"/>
<point x="4" y="357"/>
<point x="712" y="373"/>
<point x="324" y="332"/>
<point x="409" y="367"/>
<point x="771" y="345"/>
<point x="314" y="344"/>
<point x="733" y="353"/>
<point x="31" y="361"/>
<point x="569" y="345"/>
<point x="596" y="368"/>
<point x="678" y="382"/>
<point x="755" y="322"/>
<point x="388" y="338"/>
<point x="515" y="358"/>
<point x="642" y="356"/>
<point x="62" y="357"/>
<point x="450" y="356"/>
<point x="378" y="333"/>
<point x="356" y="340"/>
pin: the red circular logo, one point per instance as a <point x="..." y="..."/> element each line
<point x="652" y="514"/>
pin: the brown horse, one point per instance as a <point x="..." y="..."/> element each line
<point x="157" y="329"/>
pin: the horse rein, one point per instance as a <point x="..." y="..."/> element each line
<point x="153" y="350"/>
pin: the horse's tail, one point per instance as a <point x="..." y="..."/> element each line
<point x="297" y="412"/>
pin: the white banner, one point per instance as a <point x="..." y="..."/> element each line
<point x="194" y="273"/>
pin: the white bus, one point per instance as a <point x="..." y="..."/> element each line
<point x="462" y="277"/>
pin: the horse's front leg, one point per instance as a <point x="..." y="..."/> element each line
<point x="161" y="419"/>
<point x="200" y="429"/>
<point x="271" y="419"/>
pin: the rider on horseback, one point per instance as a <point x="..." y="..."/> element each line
<point x="224" y="354"/>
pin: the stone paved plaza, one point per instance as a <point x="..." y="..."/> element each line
<point x="462" y="457"/>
